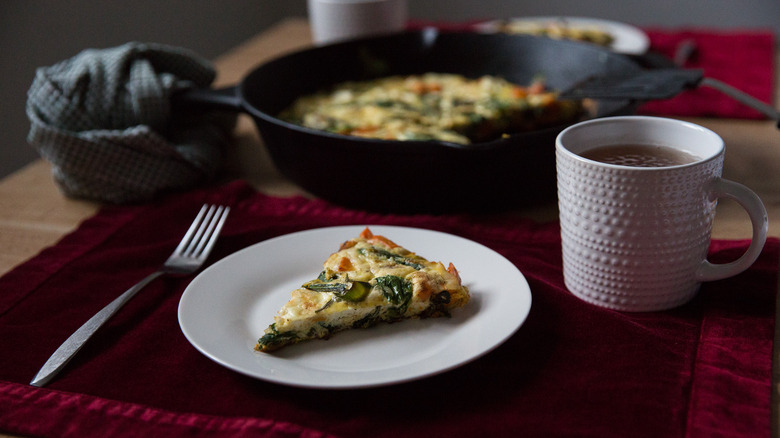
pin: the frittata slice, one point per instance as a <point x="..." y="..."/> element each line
<point x="368" y="280"/>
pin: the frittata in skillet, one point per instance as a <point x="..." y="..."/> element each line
<point x="370" y="279"/>
<point x="432" y="106"/>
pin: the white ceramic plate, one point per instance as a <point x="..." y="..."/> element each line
<point x="628" y="39"/>
<point x="228" y="306"/>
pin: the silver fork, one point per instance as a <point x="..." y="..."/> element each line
<point x="192" y="251"/>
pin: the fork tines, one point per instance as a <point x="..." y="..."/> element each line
<point x="203" y="231"/>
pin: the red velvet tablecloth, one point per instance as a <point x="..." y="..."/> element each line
<point x="572" y="368"/>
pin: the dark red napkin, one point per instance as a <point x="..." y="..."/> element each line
<point x="571" y="369"/>
<point x="743" y="59"/>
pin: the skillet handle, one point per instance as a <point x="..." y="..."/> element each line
<point x="199" y="99"/>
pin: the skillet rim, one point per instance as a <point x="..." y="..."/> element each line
<point x="428" y="36"/>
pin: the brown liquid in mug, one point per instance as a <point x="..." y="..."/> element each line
<point x="639" y="155"/>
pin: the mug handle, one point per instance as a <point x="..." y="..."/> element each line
<point x="723" y="188"/>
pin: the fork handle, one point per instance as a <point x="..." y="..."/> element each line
<point x="73" y="344"/>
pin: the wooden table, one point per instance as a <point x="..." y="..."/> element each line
<point x="34" y="215"/>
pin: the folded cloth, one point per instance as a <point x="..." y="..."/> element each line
<point x="572" y="369"/>
<point x="103" y="119"/>
<point x="743" y="59"/>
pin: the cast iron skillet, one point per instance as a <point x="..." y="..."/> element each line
<point x="416" y="176"/>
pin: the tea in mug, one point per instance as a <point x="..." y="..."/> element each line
<point x="639" y="155"/>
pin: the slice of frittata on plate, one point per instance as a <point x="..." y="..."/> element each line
<point x="370" y="279"/>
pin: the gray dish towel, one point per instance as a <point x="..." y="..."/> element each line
<point x="103" y="119"/>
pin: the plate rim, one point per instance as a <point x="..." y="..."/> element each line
<point x="349" y="231"/>
<point x="641" y="36"/>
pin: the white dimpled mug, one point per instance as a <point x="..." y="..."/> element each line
<point x="636" y="238"/>
<point x="338" y="20"/>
